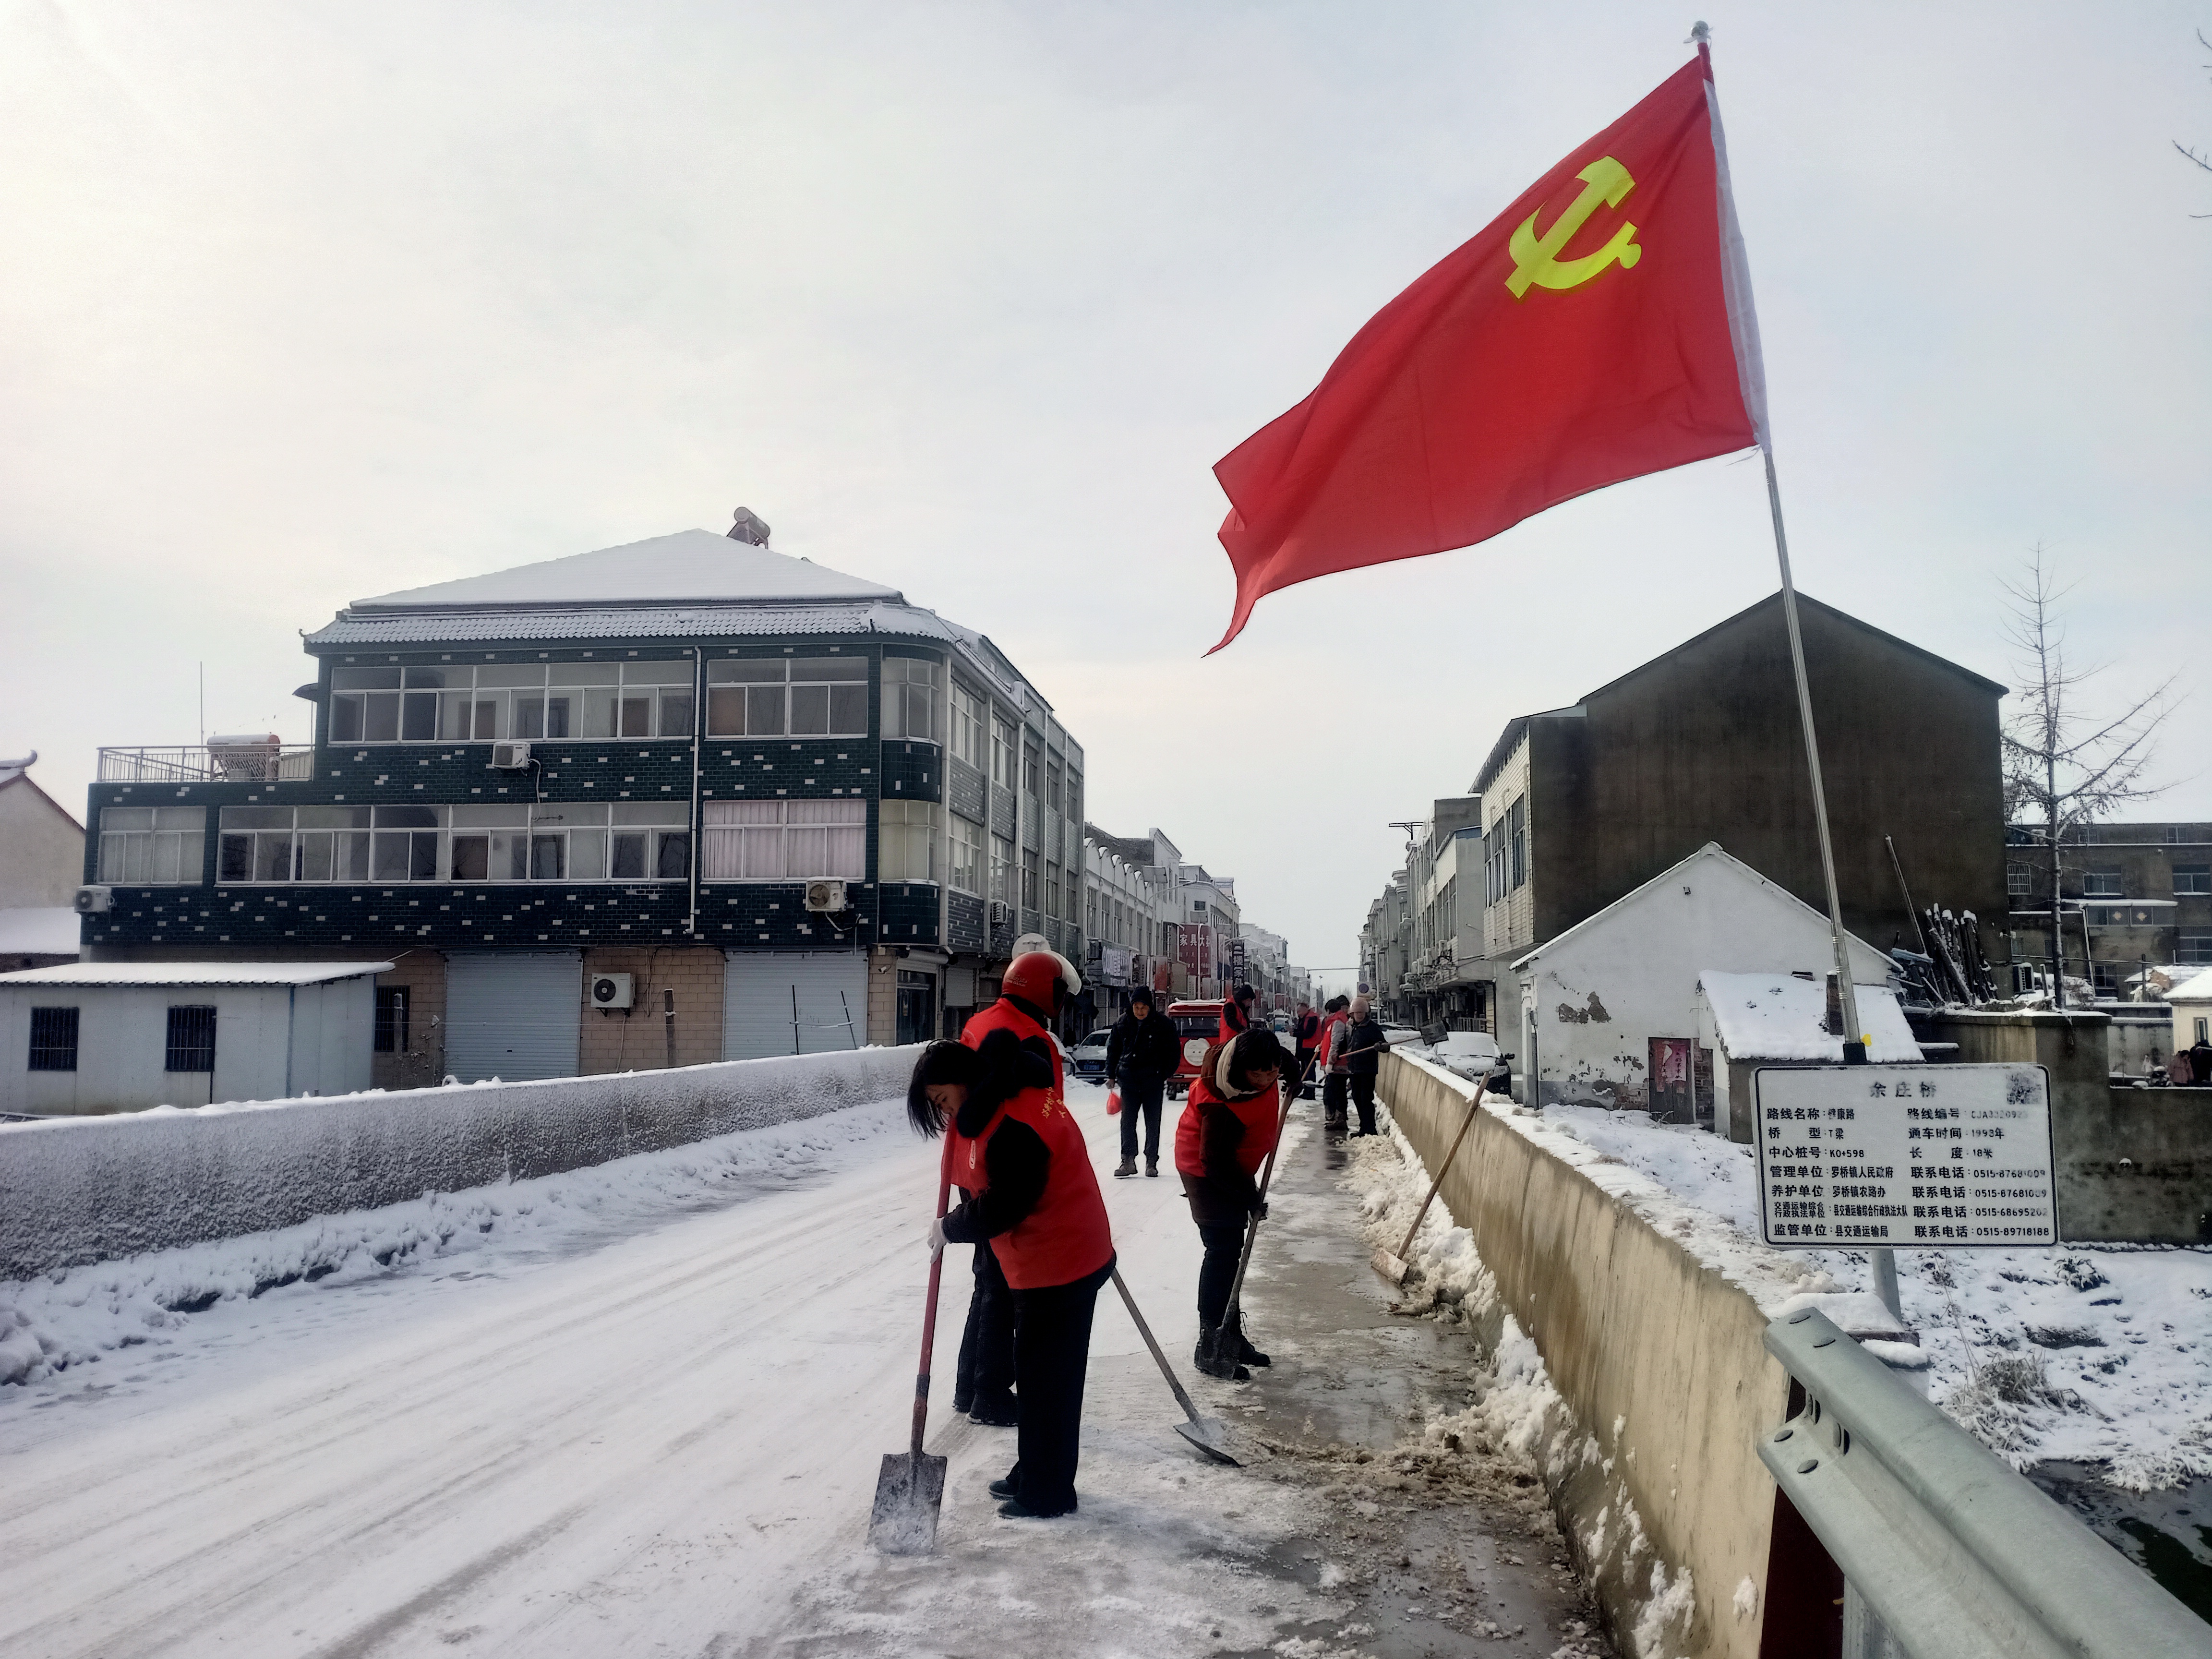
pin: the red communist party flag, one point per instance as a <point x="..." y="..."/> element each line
<point x="1599" y="329"/>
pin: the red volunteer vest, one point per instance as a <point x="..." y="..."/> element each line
<point x="1328" y="1030"/>
<point x="1257" y="1115"/>
<point x="1003" y="1016"/>
<point x="1067" y="1235"/>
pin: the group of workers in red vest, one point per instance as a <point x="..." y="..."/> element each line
<point x="1031" y="1202"/>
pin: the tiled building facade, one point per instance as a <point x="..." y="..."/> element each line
<point x="635" y="763"/>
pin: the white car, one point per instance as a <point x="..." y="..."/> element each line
<point x="1471" y="1054"/>
<point x="1089" y="1059"/>
<point x="1406" y="1040"/>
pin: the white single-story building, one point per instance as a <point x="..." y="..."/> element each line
<point x="1750" y="1020"/>
<point x="2191" y="1002"/>
<point x="119" y="1037"/>
<point x="1611" y="1005"/>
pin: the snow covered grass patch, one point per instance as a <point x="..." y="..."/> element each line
<point x="2092" y="1353"/>
<point x="76" y="1317"/>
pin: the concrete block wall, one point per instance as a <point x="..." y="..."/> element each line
<point x="883" y="996"/>
<point x="2134" y="1165"/>
<point x="91" y="1189"/>
<point x="1658" y="1356"/>
<point x="611" y="1041"/>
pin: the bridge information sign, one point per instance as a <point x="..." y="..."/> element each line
<point x="1931" y="1157"/>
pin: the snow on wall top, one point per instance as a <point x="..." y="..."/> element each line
<point x="1777" y="1017"/>
<point x="696" y="566"/>
<point x="2198" y="989"/>
<point x="38" y="931"/>
<point x="193" y="973"/>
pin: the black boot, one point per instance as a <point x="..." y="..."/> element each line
<point x="1207" y="1360"/>
<point x="994" y="1411"/>
<point x="1250" y="1355"/>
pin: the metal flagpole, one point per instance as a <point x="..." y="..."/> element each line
<point x="1854" y="1033"/>
<point x="1743" y="328"/>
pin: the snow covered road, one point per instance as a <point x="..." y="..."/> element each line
<point x="637" y="1410"/>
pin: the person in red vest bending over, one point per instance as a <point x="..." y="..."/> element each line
<point x="1033" y="1196"/>
<point x="1236" y="1014"/>
<point x="1226" y="1131"/>
<point x="983" y="1386"/>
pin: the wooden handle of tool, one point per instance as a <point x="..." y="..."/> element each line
<point x="1473" y="1107"/>
<point x="929" y="1313"/>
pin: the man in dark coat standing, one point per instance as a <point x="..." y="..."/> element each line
<point x="1360" y="1040"/>
<point x="1142" y="1053"/>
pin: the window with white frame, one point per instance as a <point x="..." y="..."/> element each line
<point x="2191" y="878"/>
<point x="648" y="697"/>
<point x="906" y="840"/>
<point x="151" y="845"/>
<point x="2020" y="880"/>
<point x="1052" y="889"/>
<point x="551" y="841"/>
<point x="1002" y="870"/>
<point x="795" y="696"/>
<point x="1002" y="753"/>
<point x="785" y="840"/>
<point x="964" y="855"/>
<point x="969" y="723"/>
<point x="2193" y="950"/>
<point x="2103" y="881"/>
<point x="911" y="699"/>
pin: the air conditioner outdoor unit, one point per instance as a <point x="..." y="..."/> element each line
<point x="1001" y="913"/>
<point x="510" y="756"/>
<point x="611" y="990"/>
<point x="94" y="901"/>
<point x="825" y="895"/>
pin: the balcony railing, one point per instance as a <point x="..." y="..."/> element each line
<point x="215" y="763"/>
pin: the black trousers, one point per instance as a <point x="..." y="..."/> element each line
<point x="1224" y="1246"/>
<point x="1052" y="1352"/>
<point x="986" y="1375"/>
<point x="1362" y="1096"/>
<point x="1141" y="1097"/>
<point x="1332" y="1100"/>
<point x="1305" y="1071"/>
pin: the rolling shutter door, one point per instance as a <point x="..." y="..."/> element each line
<point x="765" y="994"/>
<point x="513" y="1015"/>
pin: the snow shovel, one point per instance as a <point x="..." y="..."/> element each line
<point x="1204" y="1433"/>
<point x="910" y="1488"/>
<point x="1223" y="1353"/>
<point x="1395" y="1267"/>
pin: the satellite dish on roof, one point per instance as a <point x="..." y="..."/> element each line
<point x="748" y="527"/>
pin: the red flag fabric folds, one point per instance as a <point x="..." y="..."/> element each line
<point x="1582" y="338"/>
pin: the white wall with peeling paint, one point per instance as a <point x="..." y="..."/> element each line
<point x="1594" y="997"/>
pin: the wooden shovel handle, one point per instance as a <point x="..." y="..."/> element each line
<point x="929" y="1313"/>
<point x="1473" y="1107"/>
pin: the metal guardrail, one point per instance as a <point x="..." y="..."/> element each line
<point x="1947" y="1553"/>
<point x="208" y="764"/>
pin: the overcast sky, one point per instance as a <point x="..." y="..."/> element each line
<point x="302" y="302"/>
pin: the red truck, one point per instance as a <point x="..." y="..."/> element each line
<point x="1197" y="1023"/>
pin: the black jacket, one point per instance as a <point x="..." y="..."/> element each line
<point x="1362" y="1034"/>
<point x="1143" y="1051"/>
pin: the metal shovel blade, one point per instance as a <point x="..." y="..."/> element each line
<point x="1207" y="1434"/>
<point x="909" y="1491"/>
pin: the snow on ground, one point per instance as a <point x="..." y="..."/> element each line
<point x="2094" y="1353"/>
<point x="638" y="1408"/>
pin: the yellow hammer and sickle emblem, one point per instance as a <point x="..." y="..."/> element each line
<point x="1536" y="262"/>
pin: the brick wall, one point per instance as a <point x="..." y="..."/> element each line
<point x="638" y="1042"/>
